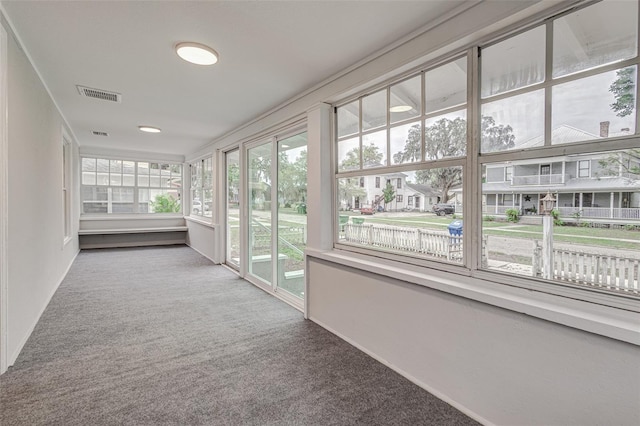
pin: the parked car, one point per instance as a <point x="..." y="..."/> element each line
<point x="196" y="207"/>
<point x="443" y="209"/>
<point x="367" y="210"/>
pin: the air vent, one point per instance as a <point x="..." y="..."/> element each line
<point x="100" y="133"/>
<point x="99" y="94"/>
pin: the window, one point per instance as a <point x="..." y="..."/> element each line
<point x="111" y="186"/>
<point x="361" y="182"/>
<point x="556" y="117"/>
<point x="66" y="187"/>
<point x="584" y="168"/>
<point x="202" y="187"/>
<point x="420" y="143"/>
<point x="584" y="101"/>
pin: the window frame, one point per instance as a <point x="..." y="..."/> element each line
<point x="66" y="187"/>
<point x="200" y="188"/>
<point x="136" y="187"/>
<point x="474" y="162"/>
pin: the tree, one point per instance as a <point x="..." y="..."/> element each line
<point x="164" y="203"/>
<point x="371" y="156"/>
<point x="412" y="148"/>
<point x="624" y="89"/>
<point x="496" y="137"/>
<point x="388" y="194"/>
<point x="447" y="139"/>
<point x="626" y="164"/>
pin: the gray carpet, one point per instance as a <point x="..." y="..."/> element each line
<point x="161" y="336"/>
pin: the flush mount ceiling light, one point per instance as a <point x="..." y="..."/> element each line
<point x="401" y="108"/>
<point x="197" y="53"/>
<point x="149" y="129"/>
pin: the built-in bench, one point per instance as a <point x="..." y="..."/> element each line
<point x="128" y="232"/>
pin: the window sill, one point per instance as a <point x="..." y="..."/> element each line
<point x="606" y="321"/>
<point x="130" y="216"/>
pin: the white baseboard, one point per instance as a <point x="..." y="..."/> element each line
<point x="14" y="357"/>
<point x="475" y="416"/>
<point x="201" y="253"/>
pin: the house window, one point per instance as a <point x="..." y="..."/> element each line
<point x="377" y="181"/>
<point x="508" y="173"/>
<point x="114" y="186"/>
<point x="410" y="200"/>
<point x="408" y="131"/>
<point x="584" y="168"/>
<point x="361" y="182"/>
<point x="202" y="187"/>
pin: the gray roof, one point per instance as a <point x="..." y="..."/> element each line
<point x="561" y="134"/>
<point x="423" y="189"/>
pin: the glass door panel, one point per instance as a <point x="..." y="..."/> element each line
<point x="292" y="213"/>
<point x="259" y="204"/>
<point x="232" y="160"/>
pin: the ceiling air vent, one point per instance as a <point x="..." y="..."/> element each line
<point x="99" y="94"/>
<point x="100" y="133"/>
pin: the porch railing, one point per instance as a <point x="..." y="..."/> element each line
<point x="436" y="244"/>
<point x="596" y="270"/>
<point x="555" y="179"/>
<point x="601" y="212"/>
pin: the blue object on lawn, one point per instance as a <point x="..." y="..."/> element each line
<point x="455" y="227"/>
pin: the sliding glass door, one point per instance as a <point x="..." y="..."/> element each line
<point x="277" y="214"/>
<point x="232" y="166"/>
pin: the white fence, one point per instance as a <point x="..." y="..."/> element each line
<point x="600" y="212"/>
<point x="596" y="270"/>
<point x="432" y="243"/>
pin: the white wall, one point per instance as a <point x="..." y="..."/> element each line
<point x="202" y="238"/>
<point x="38" y="260"/>
<point x="501" y="366"/>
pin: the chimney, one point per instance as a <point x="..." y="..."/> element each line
<point x="604" y="129"/>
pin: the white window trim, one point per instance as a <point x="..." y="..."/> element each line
<point x="4" y="204"/>
<point x="588" y="169"/>
<point x="473" y="163"/>
<point x="200" y="217"/>
<point x="67" y="185"/>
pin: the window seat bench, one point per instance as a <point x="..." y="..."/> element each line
<point x="125" y="233"/>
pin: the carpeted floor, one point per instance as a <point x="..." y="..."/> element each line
<point x="161" y="336"/>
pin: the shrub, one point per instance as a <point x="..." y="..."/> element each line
<point x="488" y="218"/>
<point x="164" y="203"/>
<point x="512" y="215"/>
<point x="556" y="218"/>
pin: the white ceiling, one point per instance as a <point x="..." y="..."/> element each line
<point x="269" y="52"/>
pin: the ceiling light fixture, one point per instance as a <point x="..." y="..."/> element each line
<point x="401" y="108"/>
<point x="149" y="129"/>
<point x="197" y="53"/>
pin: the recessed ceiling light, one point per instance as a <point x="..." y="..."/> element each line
<point x="149" y="129"/>
<point x="197" y="53"/>
<point x="401" y="108"/>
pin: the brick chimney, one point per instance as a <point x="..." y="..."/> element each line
<point x="604" y="129"/>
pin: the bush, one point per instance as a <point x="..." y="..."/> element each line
<point x="512" y="215"/>
<point x="164" y="203"/>
<point x="488" y="218"/>
<point x="556" y="218"/>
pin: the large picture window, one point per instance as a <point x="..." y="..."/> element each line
<point x="112" y="186"/>
<point x="555" y="136"/>
<point x="399" y="163"/>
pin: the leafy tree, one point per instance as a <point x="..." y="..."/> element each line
<point x="349" y="188"/>
<point x="164" y="203"/>
<point x="412" y="148"/>
<point x="626" y="162"/>
<point x="371" y="155"/>
<point x="624" y="89"/>
<point x="446" y="139"/>
<point x="388" y="194"/>
<point x="496" y="137"/>
<point x="292" y="177"/>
